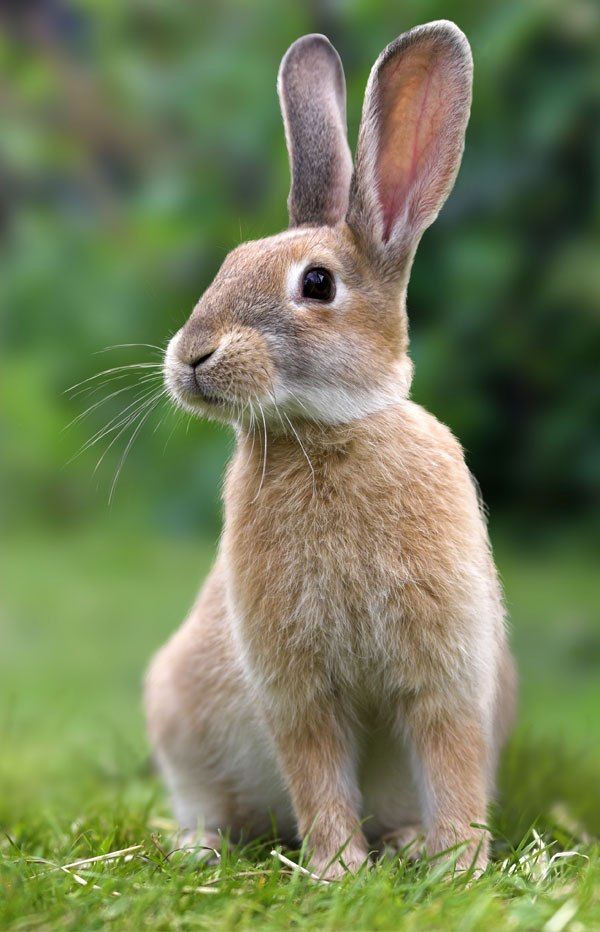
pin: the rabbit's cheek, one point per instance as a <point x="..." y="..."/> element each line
<point x="242" y="369"/>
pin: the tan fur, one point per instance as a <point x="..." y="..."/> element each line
<point x="345" y="668"/>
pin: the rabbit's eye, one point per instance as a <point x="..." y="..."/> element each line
<point x="318" y="285"/>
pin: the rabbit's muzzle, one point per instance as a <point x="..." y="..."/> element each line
<point x="223" y="371"/>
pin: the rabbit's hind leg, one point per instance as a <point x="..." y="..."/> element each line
<point x="225" y="789"/>
<point x="209" y="744"/>
<point x="185" y="750"/>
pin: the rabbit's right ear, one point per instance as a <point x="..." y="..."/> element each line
<point x="411" y="138"/>
<point x="312" y="94"/>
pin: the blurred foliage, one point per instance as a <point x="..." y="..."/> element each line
<point x="140" y="141"/>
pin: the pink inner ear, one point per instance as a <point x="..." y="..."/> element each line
<point x="412" y="113"/>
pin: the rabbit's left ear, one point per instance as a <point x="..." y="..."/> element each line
<point x="312" y="94"/>
<point x="411" y="137"/>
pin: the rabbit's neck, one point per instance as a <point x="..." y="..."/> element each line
<point x="280" y="448"/>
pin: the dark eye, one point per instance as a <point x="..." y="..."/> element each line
<point x="318" y="285"/>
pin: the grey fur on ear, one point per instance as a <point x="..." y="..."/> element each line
<point x="411" y="137"/>
<point x="312" y="94"/>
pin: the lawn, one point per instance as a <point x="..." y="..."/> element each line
<point x="80" y="615"/>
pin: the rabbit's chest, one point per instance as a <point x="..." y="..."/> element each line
<point x="318" y="588"/>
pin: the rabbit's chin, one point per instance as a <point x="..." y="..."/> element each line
<point x="206" y="406"/>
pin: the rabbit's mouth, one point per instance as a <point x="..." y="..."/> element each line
<point x="209" y="398"/>
<point x="185" y="391"/>
<point x="207" y="405"/>
<point x="199" y="399"/>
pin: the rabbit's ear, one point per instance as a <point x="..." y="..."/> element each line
<point x="312" y="94"/>
<point x="411" y="137"/>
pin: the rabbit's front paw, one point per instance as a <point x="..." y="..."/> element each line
<point x="473" y="856"/>
<point x="328" y="866"/>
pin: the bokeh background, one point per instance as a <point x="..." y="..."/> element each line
<point x="139" y="142"/>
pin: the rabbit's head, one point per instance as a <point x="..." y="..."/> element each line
<point x="311" y="323"/>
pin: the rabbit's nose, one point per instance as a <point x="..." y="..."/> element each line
<point x="202" y="359"/>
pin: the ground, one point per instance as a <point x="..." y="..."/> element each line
<point x="81" y="613"/>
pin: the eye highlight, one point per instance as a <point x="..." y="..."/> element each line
<point x="318" y="285"/>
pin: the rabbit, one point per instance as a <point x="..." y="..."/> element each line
<point x="345" y="670"/>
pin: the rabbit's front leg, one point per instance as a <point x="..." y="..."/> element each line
<point x="318" y="764"/>
<point x="451" y="756"/>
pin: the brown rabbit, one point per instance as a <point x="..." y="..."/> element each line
<point x="345" y="668"/>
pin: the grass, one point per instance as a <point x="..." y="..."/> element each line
<point x="80" y="615"/>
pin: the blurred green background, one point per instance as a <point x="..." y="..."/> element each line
<point x="139" y="142"/>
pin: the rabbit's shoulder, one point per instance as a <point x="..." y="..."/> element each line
<point x="415" y="443"/>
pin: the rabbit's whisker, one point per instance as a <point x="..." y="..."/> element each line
<point x="135" y="433"/>
<point x="97" y="386"/>
<point x="292" y="428"/>
<point x="319" y="427"/>
<point x="264" y="466"/>
<point x="282" y="415"/>
<point x="144" y="407"/>
<point x="97" y="404"/>
<point x="98" y="375"/>
<point x="114" y="422"/>
<point x="306" y="456"/>
<point x="166" y="414"/>
<point x="116" y="346"/>
<point x="178" y="419"/>
<point x="252" y="427"/>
